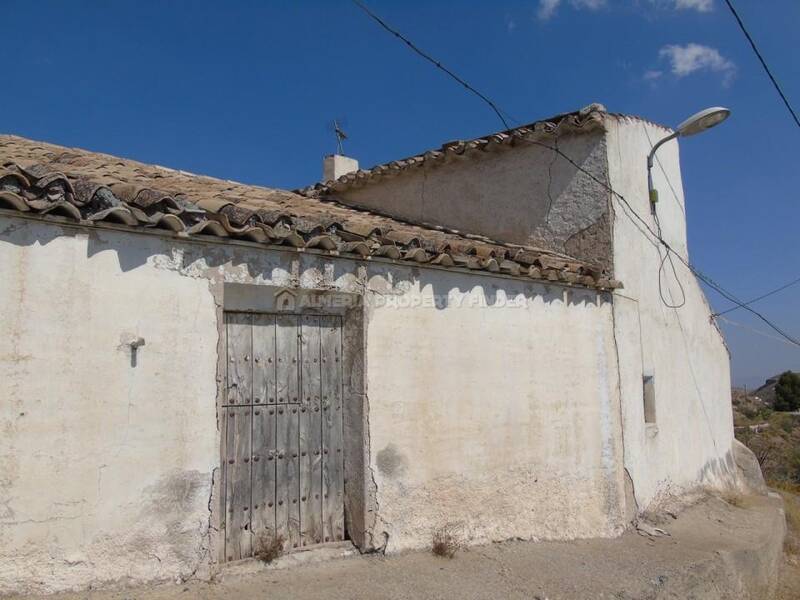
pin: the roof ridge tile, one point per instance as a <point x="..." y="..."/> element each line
<point x="82" y="186"/>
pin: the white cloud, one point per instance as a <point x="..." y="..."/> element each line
<point x="698" y="5"/>
<point x="652" y="74"/>
<point x="688" y="59"/>
<point x="547" y="8"/>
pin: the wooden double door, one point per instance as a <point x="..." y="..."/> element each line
<point x="283" y="465"/>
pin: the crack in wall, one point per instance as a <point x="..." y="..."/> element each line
<point x="372" y="504"/>
<point x="620" y="400"/>
<point x="205" y="544"/>
<point x="550" y="181"/>
<point x="374" y="510"/>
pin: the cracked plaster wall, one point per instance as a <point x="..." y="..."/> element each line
<point x="105" y="468"/>
<point x="501" y="418"/>
<point x="524" y="194"/>
<point x="108" y="461"/>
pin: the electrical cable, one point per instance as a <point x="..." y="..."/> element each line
<point x="754" y="330"/>
<point x="615" y="194"/>
<point x="668" y="255"/>
<point x="761" y="297"/>
<point x="675" y="196"/>
<point x="430" y="59"/>
<point x="697" y="273"/>
<point x="762" y="61"/>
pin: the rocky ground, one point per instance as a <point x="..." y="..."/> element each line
<point x="715" y="549"/>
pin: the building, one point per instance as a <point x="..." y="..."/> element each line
<point x="479" y="336"/>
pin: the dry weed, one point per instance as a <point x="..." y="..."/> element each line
<point x="785" y="486"/>
<point x="268" y="546"/>
<point x="446" y="541"/>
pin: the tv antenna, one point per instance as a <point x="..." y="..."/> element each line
<point x="337" y="125"/>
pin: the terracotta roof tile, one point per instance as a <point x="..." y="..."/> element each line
<point x="42" y="178"/>
<point x="586" y="119"/>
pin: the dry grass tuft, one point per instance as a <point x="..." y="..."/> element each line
<point x="446" y="541"/>
<point x="784" y="486"/>
<point x="268" y="546"/>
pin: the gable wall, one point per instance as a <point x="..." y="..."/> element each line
<point x="524" y="194"/>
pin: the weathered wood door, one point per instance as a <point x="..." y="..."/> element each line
<point x="283" y="459"/>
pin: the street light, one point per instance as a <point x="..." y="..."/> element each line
<point x="697" y="123"/>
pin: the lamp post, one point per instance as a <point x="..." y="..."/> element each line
<point x="697" y="123"/>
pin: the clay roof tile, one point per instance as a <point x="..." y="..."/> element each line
<point x="91" y="187"/>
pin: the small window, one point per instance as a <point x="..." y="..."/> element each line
<point x="649" y="389"/>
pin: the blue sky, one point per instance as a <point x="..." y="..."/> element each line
<point x="245" y="91"/>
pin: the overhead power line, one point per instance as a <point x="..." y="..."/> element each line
<point x="432" y="60"/>
<point x="656" y="235"/>
<point x="761" y="297"/>
<point x="762" y="61"/>
<point x="754" y="330"/>
<point x="697" y="273"/>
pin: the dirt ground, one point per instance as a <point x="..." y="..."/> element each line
<point x="789" y="585"/>
<point x="701" y="558"/>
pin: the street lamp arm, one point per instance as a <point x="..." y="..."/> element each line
<point x="697" y="123"/>
<point x="652" y="192"/>
<point x="660" y="143"/>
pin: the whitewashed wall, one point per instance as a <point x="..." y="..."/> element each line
<point x="690" y="444"/>
<point x="502" y="420"/>
<point x="497" y="414"/>
<point x="105" y="468"/>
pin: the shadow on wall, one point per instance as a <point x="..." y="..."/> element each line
<point x="719" y="471"/>
<point x="293" y="269"/>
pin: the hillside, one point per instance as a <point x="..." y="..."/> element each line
<point x="774" y="437"/>
<point x="767" y="391"/>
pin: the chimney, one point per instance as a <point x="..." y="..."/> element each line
<point x="336" y="165"/>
